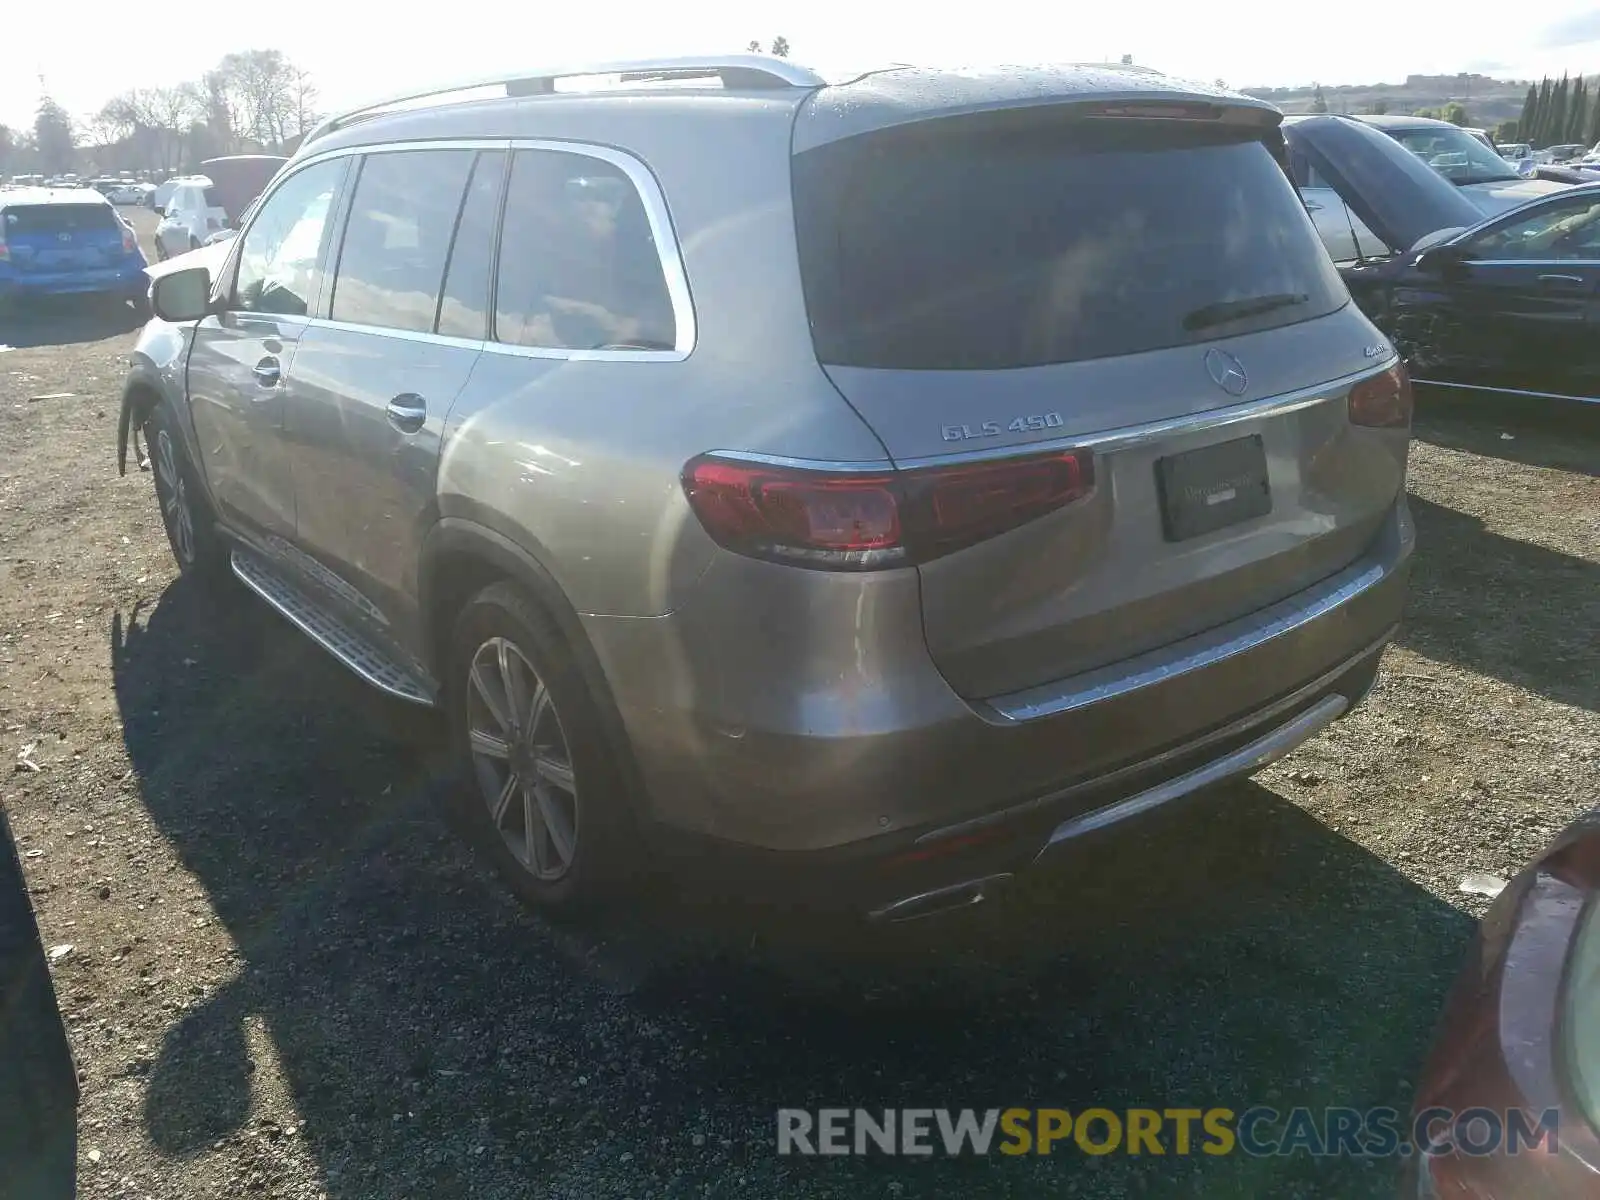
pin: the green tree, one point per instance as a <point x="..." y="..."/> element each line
<point x="1540" y="133"/>
<point x="53" y="137"/>
<point x="780" y="46"/>
<point x="1378" y="107"/>
<point x="1592" y="137"/>
<point x="1506" y="131"/>
<point x="1556" y="125"/>
<point x="8" y="148"/>
<point x="1530" y="106"/>
<point x="1577" y="113"/>
<point x="1319" y="102"/>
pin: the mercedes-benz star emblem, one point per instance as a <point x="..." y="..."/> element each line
<point x="1226" y="371"/>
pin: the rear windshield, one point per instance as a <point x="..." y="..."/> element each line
<point x="948" y="246"/>
<point x="58" y="218"/>
<point x="212" y="199"/>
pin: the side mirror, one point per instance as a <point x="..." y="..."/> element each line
<point x="1442" y="260"/>
<point x="183" y="295"/>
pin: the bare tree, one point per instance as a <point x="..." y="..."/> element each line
<point x="780" y="46"/>
<point x="754" y="47"/>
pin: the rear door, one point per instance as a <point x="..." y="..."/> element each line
<point x="241" y="357"/>
<point x="53" y="239"/>
<point x="372" y="384"/>
<point x="985" y="287"/>
<point x="1521" y="311"/>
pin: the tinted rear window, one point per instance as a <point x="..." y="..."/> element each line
<point x="951" y="246"/>
<point x="58" y="218"/>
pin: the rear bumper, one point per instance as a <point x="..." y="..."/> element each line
<point x="125" y="281"/>
<point x="821" y="728"/>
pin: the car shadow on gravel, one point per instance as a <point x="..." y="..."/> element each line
<point x="1559" y="441"/>
<point x="67" y="321"/>
<point x="1503" y="607"/>
<point x="437" y="1040"/>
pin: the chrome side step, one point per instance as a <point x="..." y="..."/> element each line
<point x="350" y="648"/>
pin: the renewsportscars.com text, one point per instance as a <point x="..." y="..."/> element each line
<point x="1258" y="1131"/>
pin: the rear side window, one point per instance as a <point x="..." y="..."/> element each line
<point x="398" y="237"/>
<point x="212" y="199"/>
<point x="464" y="308"/>
<point x="965" y="246"/>
<point x="58" y="218"/>
<point x="579" y="267"/>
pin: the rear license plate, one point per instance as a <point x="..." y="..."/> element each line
<point x="1213" y="487"/>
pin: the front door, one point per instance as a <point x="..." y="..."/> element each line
<point x="1518" y="311"/>
<point x="241" y="358"/>
<point x="374" y="382"/>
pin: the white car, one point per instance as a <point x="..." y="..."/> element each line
<point x="190" y="216"/>
<point x="130" y="193"/>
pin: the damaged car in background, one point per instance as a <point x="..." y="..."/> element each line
<point x="1505" y="304"/>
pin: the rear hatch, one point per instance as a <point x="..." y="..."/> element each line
<point x="1116" y="279"/>
<point x="47" y="238"/>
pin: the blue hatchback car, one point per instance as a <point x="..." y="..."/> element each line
<point x="61" y="241"/>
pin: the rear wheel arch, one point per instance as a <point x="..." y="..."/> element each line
<point x="460" y="558"/>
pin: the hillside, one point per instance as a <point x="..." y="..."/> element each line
<point x="1487" y="101"/>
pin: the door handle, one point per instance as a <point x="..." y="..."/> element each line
<point x="1565" y="281"/>
<point x="407" y="412"/>
<point x="267" y="372"/>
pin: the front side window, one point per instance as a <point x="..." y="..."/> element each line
<point x="398" y="237"/>
<point x="281" y="256"/>
<point x="579" y="266"/>
<point x="1560" y="231"/>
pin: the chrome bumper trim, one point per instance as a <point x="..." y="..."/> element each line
<point x="1192" y="654"/>
<point x="1243" y="761"/>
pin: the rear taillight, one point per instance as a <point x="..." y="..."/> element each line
<point x="5" y="251"/>
<point x="129" y="242"/>
<point x="857" y="521"/>
<point x="1383" y="401"/>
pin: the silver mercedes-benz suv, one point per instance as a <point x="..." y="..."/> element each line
<point x="883" y="482"/>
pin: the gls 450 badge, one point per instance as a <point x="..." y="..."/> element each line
<point x="986" y="429"/>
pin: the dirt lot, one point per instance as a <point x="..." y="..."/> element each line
<point x="287" y="979"/>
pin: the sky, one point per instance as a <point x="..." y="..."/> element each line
<point x="360" y="51"/>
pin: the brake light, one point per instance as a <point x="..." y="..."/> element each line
<point x="129" y="242"/>
<point x="856" y="521"/>
<point x="5" y="251"/>
<point x="1383" y="401"/>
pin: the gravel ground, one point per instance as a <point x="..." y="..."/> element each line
<point x="287" y="979"/>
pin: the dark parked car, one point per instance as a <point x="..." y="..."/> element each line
<point x="1508" y="304"/>
<point x="38" y="1082"/>
<point x="1521" y="1030"/>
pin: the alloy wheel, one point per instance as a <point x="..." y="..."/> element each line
<point x="521" y="760"/>
<point x="175" y="504"/>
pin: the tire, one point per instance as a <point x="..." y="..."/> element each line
<point x="578" y="799"/>
<point x="200" y="551"/>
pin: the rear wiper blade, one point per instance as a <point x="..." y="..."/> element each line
<point x="1235" y="310"/>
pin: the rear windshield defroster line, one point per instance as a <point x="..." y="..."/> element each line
<point x="957" y="245"/>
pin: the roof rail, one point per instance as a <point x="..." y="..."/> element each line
<point x="735" y="70"/>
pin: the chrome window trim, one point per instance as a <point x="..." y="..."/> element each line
<point x="404" y="335"/>
<point x="669" y="253"/>
<point x="1531" y="262"/>
<point x="1483" y="387"/>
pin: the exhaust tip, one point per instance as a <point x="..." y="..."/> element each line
<point x="967" y="894"/>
